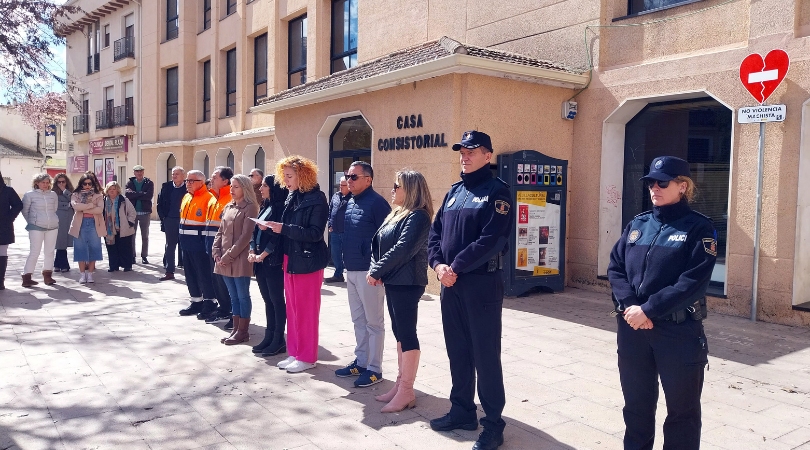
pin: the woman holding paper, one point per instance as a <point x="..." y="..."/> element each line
<point x="267" y="255"/>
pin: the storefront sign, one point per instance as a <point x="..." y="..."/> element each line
<point x="77" y="164"/>
<point x="413" y="141"/>
<point x="118" y="144"/>
<point x="765" y="113"/>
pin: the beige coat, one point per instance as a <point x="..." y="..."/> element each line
<point x="95" y="207"/>
<point x="232" y="241"/>
<point x="126" y="214"/>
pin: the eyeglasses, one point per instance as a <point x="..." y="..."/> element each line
<point x="662" y="184"/>
<point x="354" y="176"/>
<point x="191" y="181"/>
<point x="396" y="186"/>
<point x="86" y="183"/>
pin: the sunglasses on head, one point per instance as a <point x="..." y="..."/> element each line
<point x="354" y="176"/>
<point x="662" y="184"/>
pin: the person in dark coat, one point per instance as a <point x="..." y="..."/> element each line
<point x="139" y="191"/>
<point x="168" y="209"/>
<point x="64" y="189"/>
<point x="301" y="227"/>
<point x="267" y="257"/>
<point x="10" y="207"/>
<point x="337" y="214"/>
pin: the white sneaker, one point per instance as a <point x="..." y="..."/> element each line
<point x="90" y="277"/>
<point x="83" y="278"/>
<point x="285" y="362"/>
<point x="299" y="366"/>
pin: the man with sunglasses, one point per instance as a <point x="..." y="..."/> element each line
<point x="194" y="212"/>
<point x="365" y="212"/>
<point x="467" y="239"/>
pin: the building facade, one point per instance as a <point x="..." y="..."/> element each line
<point x="245" y="83"/>
<point x="26" y="151"/>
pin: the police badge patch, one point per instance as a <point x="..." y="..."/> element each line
<point x="501" y="207"/>
<point x="633" y="236"/>
<point x="710" y="246"/>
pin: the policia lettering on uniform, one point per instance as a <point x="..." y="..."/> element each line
<point x="662" y="265"/>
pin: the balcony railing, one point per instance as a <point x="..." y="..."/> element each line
<point x="124" y="48"/>
<point x="81" y="124"/>
<point x="119" y="116"/>
<point x="104" y="119"/>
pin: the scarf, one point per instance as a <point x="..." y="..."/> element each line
<point x="111" y="218"/>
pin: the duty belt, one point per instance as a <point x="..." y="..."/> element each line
<point x="696" y="311"/>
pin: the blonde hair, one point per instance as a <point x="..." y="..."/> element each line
<point x="306" y="169"/>
<point x="112" y="185"/>
<point x="247" y="188"/>
<point x="691" y="189"/>
<point x="40" y="177"/>
<point x="417" y="196"/>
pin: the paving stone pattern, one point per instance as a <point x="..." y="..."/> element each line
<point x="112" y="365"/>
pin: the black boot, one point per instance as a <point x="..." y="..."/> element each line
<point x="268" y="338"/>
<point x="279" y="345"/>
<point x="3" y="264"/>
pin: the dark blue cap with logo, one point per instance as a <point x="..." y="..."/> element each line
<point x="665" y="168"/>
<point x="474" y="139"/>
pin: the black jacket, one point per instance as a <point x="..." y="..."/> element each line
<point x="267" y="241"/>
<point x="399" y="251"/>
<point x="10" y="207"/>
<point x="663" y="262"/>
<point x="145" y="195"/>
<point x="304" y="220"/>
<point x="337" y="211"/>
<point x="165" y="207"/>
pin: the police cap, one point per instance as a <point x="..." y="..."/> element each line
<point x="474" y="139"/>
<point x="665" y="168"/>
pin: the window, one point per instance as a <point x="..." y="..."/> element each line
<point x="206" y="14"/>
<point x="172" y="19"/>
<point x="229" y="160"/>
<point x="258" y="160"/>
<point x="109" y="105"/>
<point x="106" y="36"/>
<point x="639" y="6"/>
<point x="171" y="163"/>
<point x="259" y="68"/>
<point x="206" y="97"/>
<point x="297" y="63"/>
<point x="129" y="103"/>
<point x="171" y="97"/>
<point x="206" y="167"/>
<point x="230" y="7"/>
<point x="344" y="34"/>
<point x="350" y="141"/>
<point x="230" y="83"/>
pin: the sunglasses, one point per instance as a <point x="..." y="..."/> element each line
<point x="396" y="186"/>
<point x="662" y="184"/>
<point x="61" y="182"/>
<point x="89" y="183"/>
<point x="354" y="176"/>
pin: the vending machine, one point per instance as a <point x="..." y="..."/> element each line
<point x="536" y="255"/>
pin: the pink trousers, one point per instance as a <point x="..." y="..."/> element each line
<point x="303" y="294"/>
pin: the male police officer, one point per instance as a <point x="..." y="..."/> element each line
<point x="467" y="239"/>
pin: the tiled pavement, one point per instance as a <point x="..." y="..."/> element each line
<point x="112" y="365"/>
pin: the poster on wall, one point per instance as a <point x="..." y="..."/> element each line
<point x="109" y="170"/>
<point x="538" y="233"/>
<point x="98" y="168"/>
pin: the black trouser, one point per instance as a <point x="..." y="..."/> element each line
<point x="678" y="354"/>
<point x="403" y="308"/>
<point x="171" y="226"/>
<point x="220" y="290"/>
<point x="471" y="318"/>
<point x="198" y="275"/>
<point x="271" y="285"/>
<point x="60" y="261"/>
<point x="120" y="253"/>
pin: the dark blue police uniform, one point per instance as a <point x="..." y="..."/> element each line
<point x="663" y="263"/>
<point x="469" y="233"/>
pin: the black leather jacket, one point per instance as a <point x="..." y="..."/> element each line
<point x="399" y="251"/>
<point x="267" y="241"/>
<point x="304" y="220"/>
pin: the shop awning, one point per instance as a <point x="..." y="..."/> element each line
<point x="432" y="59"/>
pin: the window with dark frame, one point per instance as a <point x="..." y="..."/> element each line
<point x="259" y="68"/>
<point x="206" y="14"/>
<point x="229" y="160"/>
<point x="106" y="36"/>
<point x="297" y="62"/>
<point x="206" y="98"/>
<point x="640" y="6"/>
<point x="344" y="34"/>
<point x="230" y="7"/>
<point x="171" y="97"/>
<point x="172" y="19"/>
<point x="259" y="159"/>
<point x="230" y="83"/>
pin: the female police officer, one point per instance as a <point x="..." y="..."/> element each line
<point x="659" y="271"/>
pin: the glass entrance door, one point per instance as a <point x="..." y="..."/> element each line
<point x="350" y="141"/>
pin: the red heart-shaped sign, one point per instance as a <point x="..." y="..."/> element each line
<point x="761" y="75"/>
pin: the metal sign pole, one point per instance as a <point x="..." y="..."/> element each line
<point x="760" y="170"/>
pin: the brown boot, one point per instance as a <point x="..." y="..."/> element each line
<point x="385" y="398"/>
<point x="241" y="334"/>
<point x="47" y="276"/>
<point x="405" y="397"/>
<point x="27" y="281"/>
<point x="236" y="321"/>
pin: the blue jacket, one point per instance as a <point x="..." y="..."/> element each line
<point x="364" y="215"/>
<point x="337" y="211"/>
<point x="473" y="224"/>
<point x="663" y="262"/>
